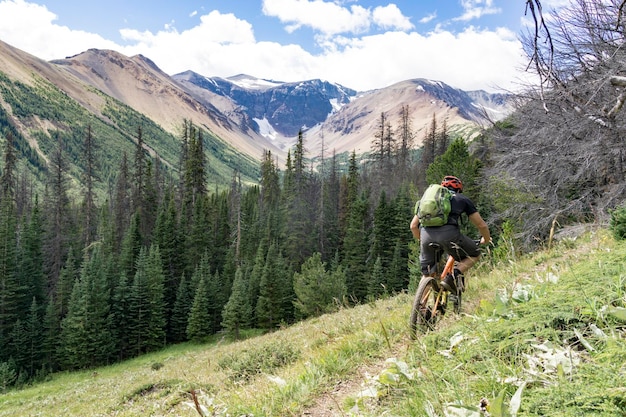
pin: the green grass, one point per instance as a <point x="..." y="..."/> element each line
<point x="551" y="323"/>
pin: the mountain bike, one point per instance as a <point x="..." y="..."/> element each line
<point x="431" y="299"/>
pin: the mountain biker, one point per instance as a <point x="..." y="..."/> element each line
<point x="449" y="236"/>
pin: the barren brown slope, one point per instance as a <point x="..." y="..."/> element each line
<point x="26" y="68"/>
<point x="23" y="67"/>
<point x="354" y="126"/>
<point x="140" y="84"/>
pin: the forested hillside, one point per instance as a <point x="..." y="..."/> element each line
<point x="88" y="280"/>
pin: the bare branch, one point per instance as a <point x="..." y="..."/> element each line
<point x="618" y="80"/>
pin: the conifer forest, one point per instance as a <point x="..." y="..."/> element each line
<point x="93" y="273"/>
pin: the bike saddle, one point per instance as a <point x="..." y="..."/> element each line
<point x="435" y="245"/>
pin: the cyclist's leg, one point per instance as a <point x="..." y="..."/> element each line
<point x="466" y="252"/>
<point x="428" y="255"/>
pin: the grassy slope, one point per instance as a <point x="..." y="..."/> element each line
<point x="545" y="341"/>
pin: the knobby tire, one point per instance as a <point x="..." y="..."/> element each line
<point x="428" y="305"/>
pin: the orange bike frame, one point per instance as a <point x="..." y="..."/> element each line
<point x="449" y="268"/>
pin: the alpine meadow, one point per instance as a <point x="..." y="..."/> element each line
<point x="159" y="255"/>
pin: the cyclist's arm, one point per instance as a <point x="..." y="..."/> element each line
<point x="482" y="227"/>
<point x="415" y="227"/>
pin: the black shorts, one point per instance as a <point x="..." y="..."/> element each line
<point x="451" y="240"/>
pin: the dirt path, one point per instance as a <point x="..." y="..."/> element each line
<point x="333" y="403"/>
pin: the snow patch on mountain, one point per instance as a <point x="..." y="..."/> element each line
<point x="265" y="128"/>
<point x="253" y="83"/>
<point x="335" y="104"/>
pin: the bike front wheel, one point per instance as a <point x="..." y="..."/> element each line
<point x="428" y="305"/>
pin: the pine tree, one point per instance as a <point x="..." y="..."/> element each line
<point x="180" y="311"/>
<point x="9" y="283"/>
<point x="217" y="293"/>
<point x="34" y="345"/>
<point x="18" y="343"/>
<point x="329" y="213"/>
<point x="256" y="274"/>
<point x="151" y="204"/>
<point x="383" y="238"/>
<point x="218" y="231"/>
<point x="402" y="208"/>
<point x="299" y="203"/>
<point x="276" y="295"/>
<point x="406" y="139"/>
<point x="121" y="202"/>
<point x="317" y="289"/>
<point x="121" y="316"/>
<point x="429" y="152"/>
<point x="8" y="179"/>
<point x="378" y="145"/>
<point x="198" y="235"/>
<point x="199" y="325"/>
<point x="270" y="193"/>
<point x="349" y="193"/>
<point x="355" y="249"/>
<point x="157" y="321"/>
<point x="131" y="247"/>
<point x="167" y="237"/>
<point x="138" y="182"/>
<point x="89" y="213"/>
<point x="68" y="276"/>
<point x="195" y="173"/>
<point x="376" y="283"/>
<point x="74" y="351"/>
<point x="51" y="337"/>
<point x="237" y="311"/>
<point x="443" y="139"/>
<point x="86" y="330"/>
<point x="457" y="161"/>
<point x="59" y="219"/>
<point x="31" y="275"/>
<point x="147" y="306"/>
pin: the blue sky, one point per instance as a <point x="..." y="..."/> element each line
<point x="361" y="44"/>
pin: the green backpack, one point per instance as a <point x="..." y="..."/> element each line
<point x="434" y="206"/>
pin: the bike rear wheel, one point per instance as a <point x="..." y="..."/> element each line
<point x="429" y="305"/>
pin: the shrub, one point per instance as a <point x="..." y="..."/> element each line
<point x="262" y="358"/>
<point x="618" y="223"/>
<point x="7" y="375"/>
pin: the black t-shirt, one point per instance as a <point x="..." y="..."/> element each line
<point x="458" y="205"/>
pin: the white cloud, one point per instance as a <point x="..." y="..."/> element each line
<point x="332" y="19"/>
<point x="428" y="18"/>
<point x="31" y="27"/>
<point x="224" y="45"/>
<point x="328" y="18"/>
<point x="474" y="9"/>
<point x="390" y="17"/>
<point x="469" y="60"/>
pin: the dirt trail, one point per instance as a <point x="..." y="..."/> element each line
<point x="332" y="404"/>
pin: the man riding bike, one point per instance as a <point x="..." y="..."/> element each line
<point x="449" y="236"/>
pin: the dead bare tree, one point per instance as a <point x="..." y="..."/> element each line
<point x="564" y="148"/>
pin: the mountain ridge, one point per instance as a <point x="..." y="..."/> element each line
<point x="249" y="114"/>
